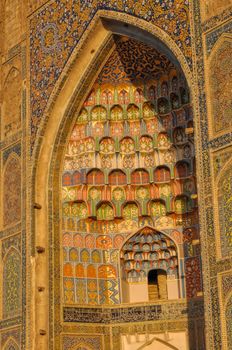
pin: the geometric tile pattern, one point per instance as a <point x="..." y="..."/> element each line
<point x="193" y="276"/>
<point x="228" y="323"/>
<point x="220" y="88"/>
<point x="81" y="342"/>
<point x="225" y="211"/>
<point x="12" y="191"/>
<point x="12" y="284"/>
<point x="128" y="164"/>
<point x="226" y="285"/>
<point x="10" y="340"/>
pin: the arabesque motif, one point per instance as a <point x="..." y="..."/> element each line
<point x="57" y="28"/>
<point x="220" y="88"/>
<point x="12" y="284"/>
<point x="12" y="191"/>
<point x="224" y="199"/>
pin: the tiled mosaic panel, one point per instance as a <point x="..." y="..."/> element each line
<point x="11" y="108"/>
<point x="175" y="310"/>
<point x="81" y="342"/>
<point x="221" y="86"/>
<point x="225" y="211"/>
<point x="57" y="28"/>
<point x="199" y="54"/>
<point x="129" y="164"/>
<point x="214" y="35"/>
<point x="10" y="339"/>
<point x="220" y="159"/>
<point x="11" y="259"/>
<point x="226" y="285"/>
<point x="228" y="323"/>
<point x="12" y="191"/>
<point x="193" y="276"/>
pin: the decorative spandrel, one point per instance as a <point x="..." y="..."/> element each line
<point x="53" y="39"/>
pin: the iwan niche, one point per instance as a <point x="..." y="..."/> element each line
<point x="130" y="213"/>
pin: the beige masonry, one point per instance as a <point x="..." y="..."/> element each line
<point x="61" y="102"/>
<point x="70" y="91"/>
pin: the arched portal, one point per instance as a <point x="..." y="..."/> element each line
<point x="138" y="214"/>
<point x="130" y="175"/>
<point x="149" y="267"/>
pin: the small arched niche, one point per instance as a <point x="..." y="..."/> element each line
<point x="149" y="267"/>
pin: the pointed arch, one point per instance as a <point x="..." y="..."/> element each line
<point x="219" y="86"/>
<point x="161" y="341"/>
<point x="12" y="71"/>
<point x="11" y="104"/>
<point x="75" y="80"/>
<point x="12" y="283"/>
<point x="12" y="190"/>
<point x="11" y="344"/>
<point x="145" y="251"/>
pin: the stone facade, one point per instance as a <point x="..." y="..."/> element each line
<point x="53" y="55"/>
